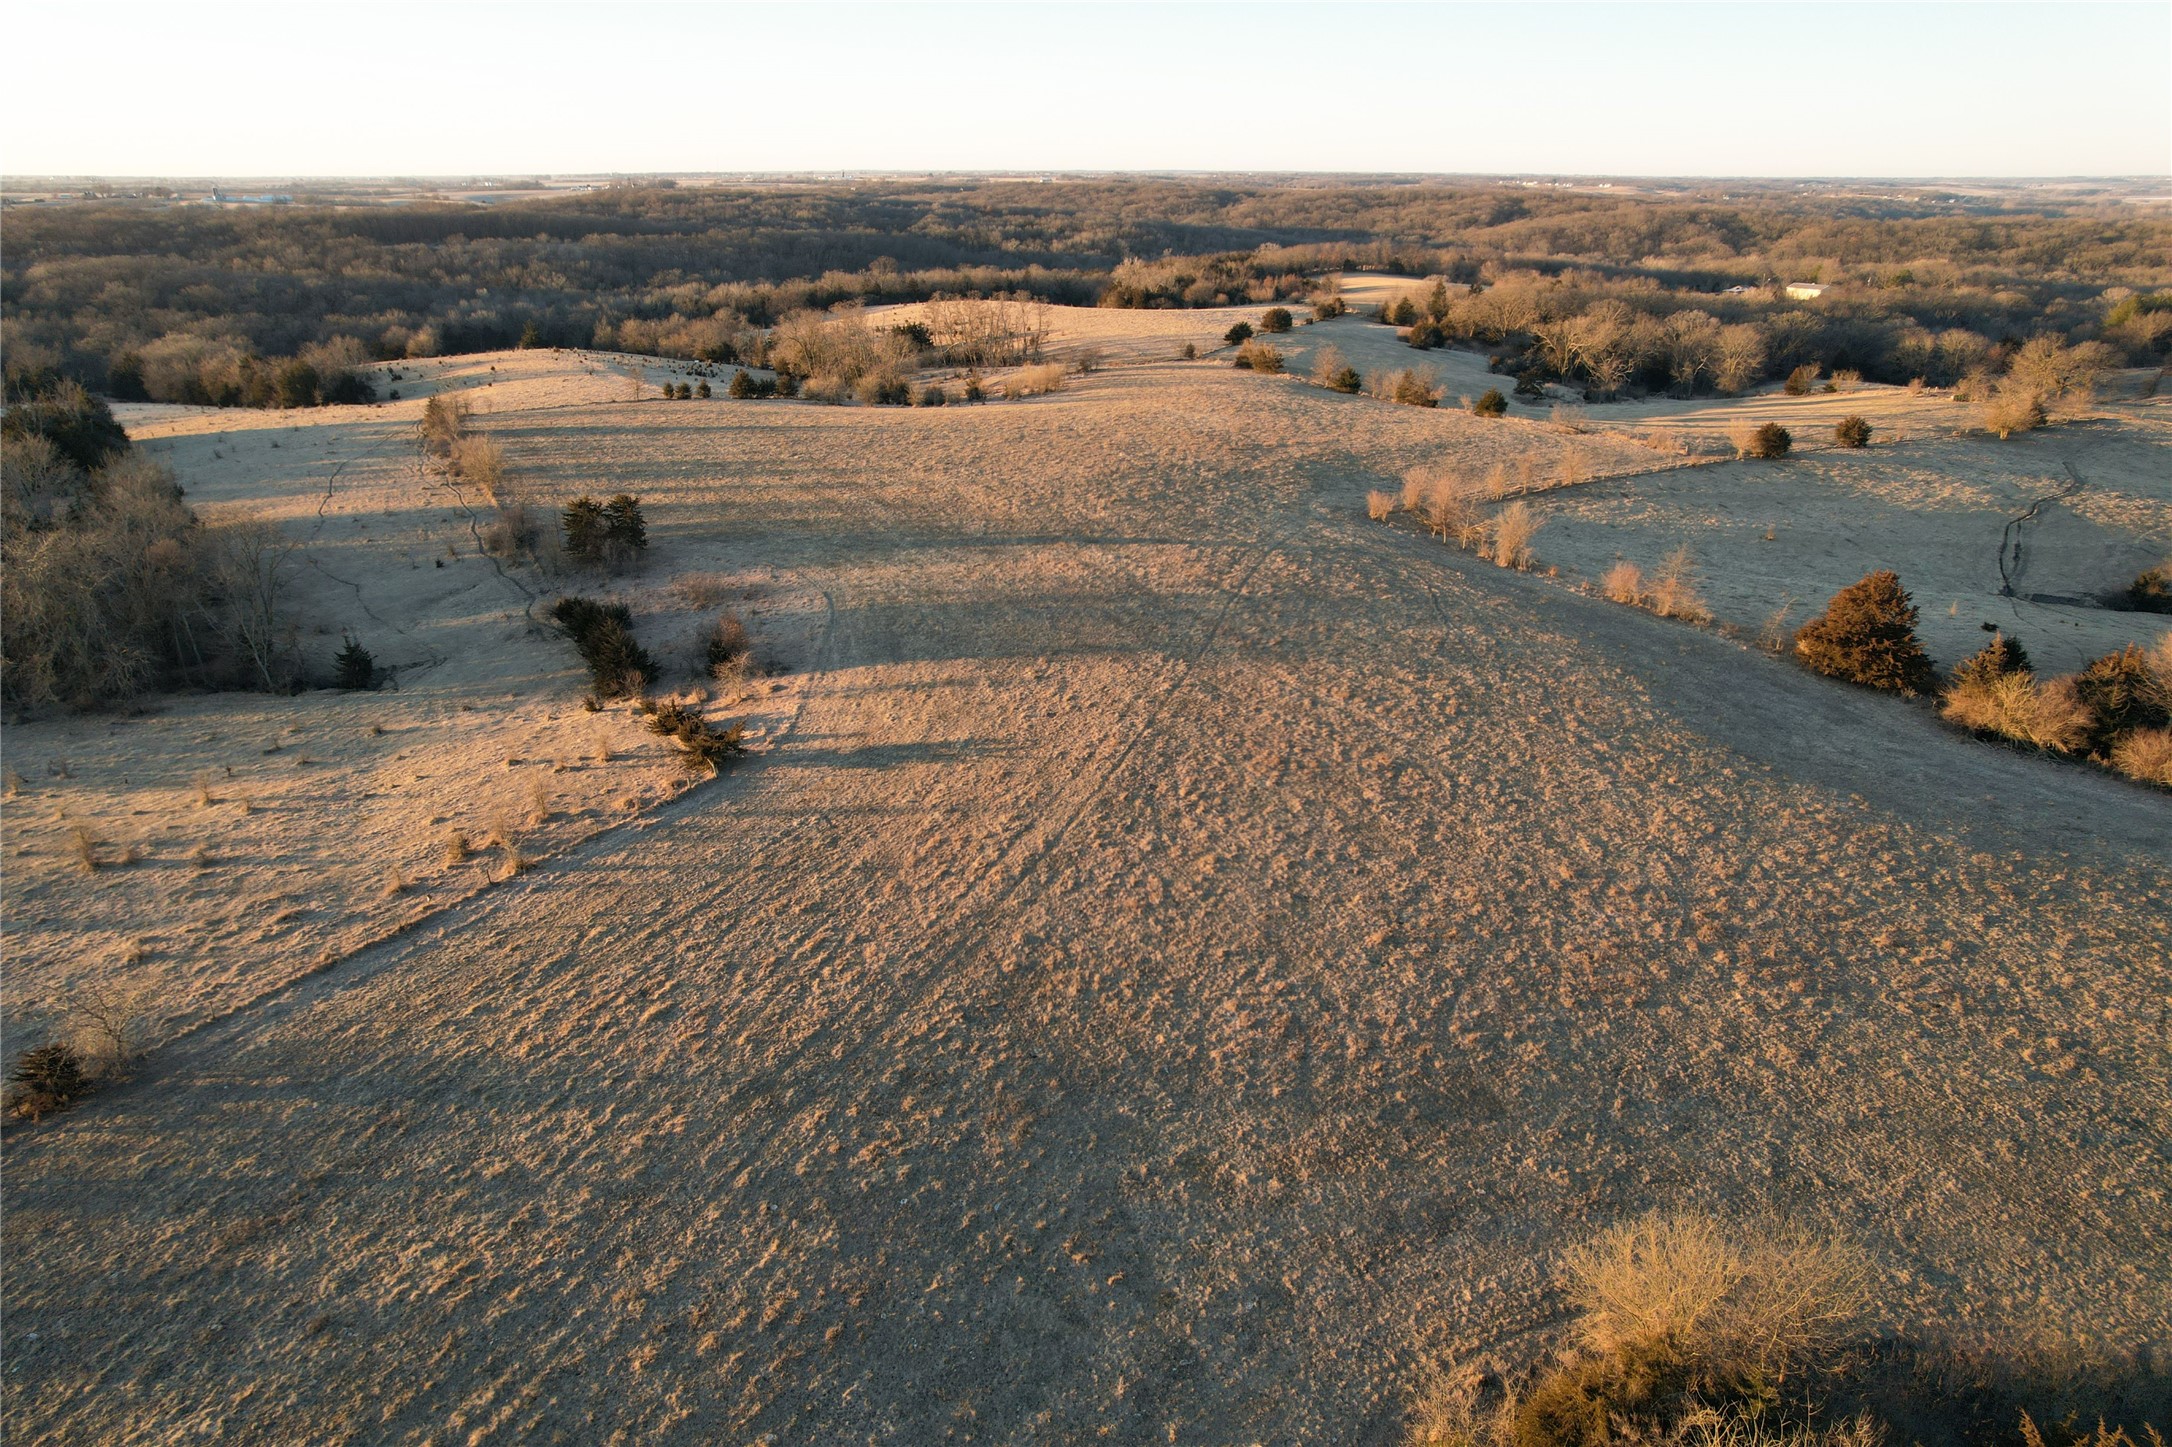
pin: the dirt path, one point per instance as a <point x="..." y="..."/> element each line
<point x="1190" y="964"/>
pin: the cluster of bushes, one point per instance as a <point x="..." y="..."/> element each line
<point x="611" y="534"/>
<point x="686" y="391"/>
<point x="2117" y="711"/>
<point x="108" y="584"/>
<point x="1257" y="356"/>
<point x="745" y="385"/>
<point x="1453" y="507"/>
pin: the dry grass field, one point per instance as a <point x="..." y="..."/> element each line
<point x="1180" y="964"/>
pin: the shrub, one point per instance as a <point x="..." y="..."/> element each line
<point x="45" y="1078"/>
<point x="1379" y="505"/>
<point x="933" y="395"/>
<point x="2013" y="409"/>
<point x="1996" y="659"/>
<point x="2013" y="705"/>
<point x="1426" y="334"/>
<point x="618" y="666"/>
<point x="742" y="386"/>
<point x="973" y="390"/>
<point x="583" y="530"/>
<point x="2150" y="592"/>
<point x="726" y="650"/>
<point x="354" y="668"/>
<point x="1189" y="352"/>
<point x="1801" y="380"/>
<point x="1674" y="589"/>
<point x="884" y="388"/>
<point x="1624" y="583"/>
<point x="1414" y="389"/>
<point x="1259" y="357"/>
<point x="1238" y="335"/>
<point x="1769" y="442"/>
<point x="702" y="390"/>
<point x="1346" y="380"/>
<point x="2123" y="692"/>
<point x="2146" y="755"/>
<point x="1852" y="432"/>
<point x="624" y="528"/>
<point x="1326" y="309"/>
<point x="1867" y="635"/>
<point x="1490" y="403"/>
<point x="1512" y="534"/>
<point x="1276" y="319"/>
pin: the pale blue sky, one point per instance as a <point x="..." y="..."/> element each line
<point x="365" y="87"/>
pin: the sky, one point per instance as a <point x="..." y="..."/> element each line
<point x="473" y="87"/>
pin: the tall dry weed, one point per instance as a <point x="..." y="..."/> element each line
<point x="1513" y="530"/>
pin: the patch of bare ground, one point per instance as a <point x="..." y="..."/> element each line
<point x="1197" y="958"/>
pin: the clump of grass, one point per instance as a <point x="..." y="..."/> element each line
<point x="1379" y="505"/>
<point x="396" y="883"/>
<point x="204" y="798"/>
<point x="83" y="847"/>
<point x="702" y="590"/>
<point x="457" y="846"/>
<point x="539" y="803"/>
<point x="1624" y="583"/>
<point x="1689" y="1333"/>
<point x="11" y="783"/>
<point x="1035" y="380"/>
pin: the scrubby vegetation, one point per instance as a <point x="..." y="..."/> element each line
<point x="1867" y="635"/>
<point x="1852" y="432"/>
<point x="109" y="586"/>
<point x="1767" y="442"/>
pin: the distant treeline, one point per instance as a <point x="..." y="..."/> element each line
<point x="278" y="306"/>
